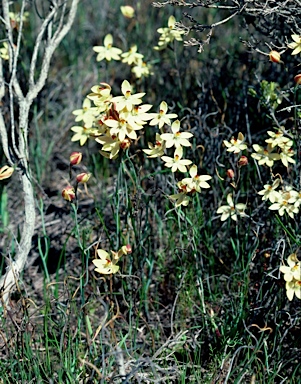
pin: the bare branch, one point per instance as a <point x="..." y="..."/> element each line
<point x="52" y="45"/>
<point x="224" y="20"/>
<point x="13" y="271"/>
<point x="37" y="46"/>
<point x="9" y="33"/>
<point x="3" y="129"/>
<point x="21" y="131"/>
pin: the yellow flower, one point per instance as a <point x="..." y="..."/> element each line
<point x="156" y="150"/>
<point x="293" y="288"/>
<point x="162" y="117"/>
<point x="16" y="16"/>
<point x="87" y="114"/>
<point x="142" y="69"/>
<point x="236" y="145"/>
<point x="282" y="205"/>
<point x="104" y="264"/>
<point x="101" y="96"/>
<point x="132" y="56"/>
<point x="286" y="156"/>
<point x="293" y="271"/>
<point x="15" y="19"/>
<point x="107" y="51"/>
<point x="231" y="210"/>
<point x="181" y="199"/>
<point x="269" y="192"/>
<point x="195" y="182"/>
<point x="296" y="45"/>
<point x="265" y="155"/>
<point x="138" y="115"/>
<point x="121" y="128"/>
<point x="176" y="163"/>
<point x="295" y="198"/>
<point x="177" y="138"/>
<point x="277" y="138"/>
<point x="168" y="34"/>
<point x="4" y="51"/>
<point x="128" y="100"/>
<point x="82" y="134"/>
<point x="112" y="146"/>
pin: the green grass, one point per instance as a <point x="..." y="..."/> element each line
<point x="198" y="300"/>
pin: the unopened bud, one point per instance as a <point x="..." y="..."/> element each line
<point x="127" y="11"/>
<point x="274" y="56"/>
<point x="126" y="143"/>
<point x="297" y="78"/>
<point x="75" y="158"/>
<point x="83" y="177"/>
<point x="230" y="173"/>
<point x="126" y="249"/>
<point x="68" y="193"/>
<point x="243" y="161"/>
<point x="6" y="172"/>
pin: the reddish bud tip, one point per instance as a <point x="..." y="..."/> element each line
<point x="68" y="193"/>
<point x="125" y="250"/>
<point x="83" y="177"/>
<point x="75" y="158"/>
<point x="297" y="78"/>
<point x="274" y="56"/>
<point x="243" y="161"/>
<point x="230" y="173"/>
<point x="128" y="248"/>
<point x="126" y="143"/>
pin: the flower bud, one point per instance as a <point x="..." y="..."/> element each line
<point x="243" y="161"/>
<point x="83" y="177"/>
<point x="274" y="56"/>
<point x="68" y="193"/>
<point x="126" y="143"/>
<point x="230" y="173"/>
<point x="126" y="249"/>
<point x="127" y="11"/>
<point x="297" y="78"/>
<point x="6" y="172"/>
<point x="75" y="158"/>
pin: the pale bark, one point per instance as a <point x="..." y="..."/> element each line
<point x="63" y="11"/>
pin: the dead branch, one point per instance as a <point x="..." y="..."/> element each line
<point x="17" y="153"/>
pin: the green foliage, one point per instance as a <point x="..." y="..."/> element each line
<point x="270" y="95"/>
